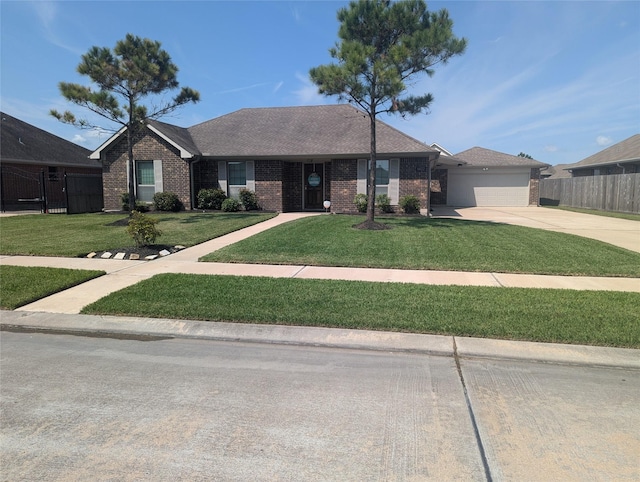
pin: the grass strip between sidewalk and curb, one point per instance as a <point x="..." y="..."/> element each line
<point x="23" y="285"/>
<point x="540" y="315"/>
<point x="431" y="244"/>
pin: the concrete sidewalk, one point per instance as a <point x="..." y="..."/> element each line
<point x="124" y="273"/>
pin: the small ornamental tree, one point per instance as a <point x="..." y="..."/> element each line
<point x="122" y="78"/>
<point x="382" y="46"/>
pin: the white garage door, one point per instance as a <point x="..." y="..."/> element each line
<point x="488" y="188"/>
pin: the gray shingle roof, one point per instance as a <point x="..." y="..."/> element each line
<point x="23" y="143"/>
<point x="179" y="135"/>
<point x="314" y="131"/>
<point x="481" y="157"/>
<point x="627" y="150"/>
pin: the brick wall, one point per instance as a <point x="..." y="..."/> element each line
<point x="414" y="179"/>
<point x="147" y="147"/>
<point x="268" y="176"/>
<point x="534" y="187"/>
<point x="344" y="173"/>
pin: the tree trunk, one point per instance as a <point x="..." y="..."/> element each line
<point x="132" y="171"/>
<point x="371" y="184"/>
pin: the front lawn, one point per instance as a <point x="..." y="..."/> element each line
<point x="435" y="244"/>
<point x="21" y="285"/>
<point x="542" y="315"/>
<point x="78" y="234"/>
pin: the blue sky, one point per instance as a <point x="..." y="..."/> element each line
<point x="557" y="80"/>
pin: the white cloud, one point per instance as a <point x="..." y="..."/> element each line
<point x="551" y="148"/>
<point x="603" y="140"/>
<point x="308" y="93"/>
<point x="47" y="13"/>
<point x="277" y="87"/>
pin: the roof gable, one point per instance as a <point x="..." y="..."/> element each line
<point x="481" y="157"/>
<point x="624" y="151"/>
<point x="314" y="131"/>
<point x="25" y="143"/>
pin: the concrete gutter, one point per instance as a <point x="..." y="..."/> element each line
<point x="439" y="345"/>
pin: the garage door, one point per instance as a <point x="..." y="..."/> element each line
<point x="488" y="188"/>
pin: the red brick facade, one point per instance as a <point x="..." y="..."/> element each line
<point x="147" y="147"/>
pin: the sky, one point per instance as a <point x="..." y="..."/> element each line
<point x="558" y="80"/>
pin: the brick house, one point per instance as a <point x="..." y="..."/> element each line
<point x="293" y="158"/>
<point x="620" y="158"/>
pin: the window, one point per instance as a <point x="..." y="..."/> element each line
<point x="382" y="177"/>
<point x="237" y="177"/>
<point x="53" y="173"/>
<point x="145" y="181"/>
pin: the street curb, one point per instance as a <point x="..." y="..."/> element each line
<point x="439" y="345"/>
<point x="238" y="332"/>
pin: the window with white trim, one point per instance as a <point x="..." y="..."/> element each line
<point x="382" y="176"/>
<point x="236" y="177"/>
<point x="145" y="181"/>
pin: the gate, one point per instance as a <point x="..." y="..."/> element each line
<point x="74" y="193"/>
<point x="22" y="190"/>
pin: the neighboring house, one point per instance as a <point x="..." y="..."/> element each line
<point x="293" y="158"/>
<point x="482" y="177"/>
<point x="555" y="172"/>
<point x="620" y="158"/>
<point x="29" y="155"/>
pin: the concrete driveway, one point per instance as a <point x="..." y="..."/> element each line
<point x="619" y="232"/>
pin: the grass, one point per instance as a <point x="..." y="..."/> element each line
<point x="22" y="285"/>
<point x="542" y="315"/>
<point x="437" y="244"/>
<point x="79" y="234"/>
<point x="609" y="214"/>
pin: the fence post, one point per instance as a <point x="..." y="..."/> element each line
<point x="66" y="191"/>
<point x="43" y="193"/>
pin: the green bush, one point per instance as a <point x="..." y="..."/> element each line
<point x="211" y="198"/>
<point x="361" y="202"/>
<point x="167" y="201"/>
<point x="143" y="229"/>
<point x="249" y="200"/>
<point x="383" y="203"/>
<point x="410" y="204"/>
<point x="140" y="206"/>
<point x="231" y="205"/>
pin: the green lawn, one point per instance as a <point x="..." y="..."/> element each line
<point x="544" y="315"/>
<point x="79" y="234"/>
<point x="21" y="285"/>
<point x="439" y="244"/>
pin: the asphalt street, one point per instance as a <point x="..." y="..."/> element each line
<point x="102" y="407"/>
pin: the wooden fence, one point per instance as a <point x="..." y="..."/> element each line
<point x="619" y="192"/>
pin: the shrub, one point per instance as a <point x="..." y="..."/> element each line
<point x="383" y="202"/>
<point x="361" y="202"/>
<point x="410" y="204"/>
<point x="143" y="229"/>
<point x="140" y="206"/>
<point x="167" y="201"/>
<point x="211" y="198"/>
<point x="249" y="200"/>
<point x="231" y="205"/>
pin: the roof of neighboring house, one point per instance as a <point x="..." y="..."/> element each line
<point x="26" y="144"/>
<point x="622" y="152"/>
<point x="481" y="157"/>
<point x="315" y="131"/>
<point x="555" y="172"/>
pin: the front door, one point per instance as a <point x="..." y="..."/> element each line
<point x="313" y="186"/>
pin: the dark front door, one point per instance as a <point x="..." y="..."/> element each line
<point x="313" y="186"/>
